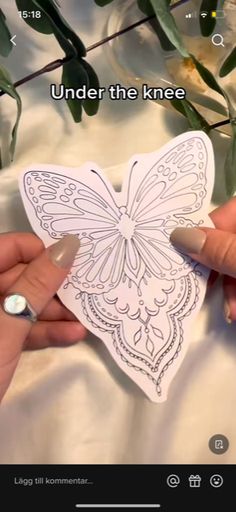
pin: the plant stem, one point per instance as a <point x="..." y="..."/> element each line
<point x="60" y="62"/>
<point x="220" y="123"/>
<point x="46" y="69"/>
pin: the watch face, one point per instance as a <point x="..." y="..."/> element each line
<point x="15" y="304"/>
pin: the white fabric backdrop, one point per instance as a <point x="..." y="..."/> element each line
<point x="74" y="405"/>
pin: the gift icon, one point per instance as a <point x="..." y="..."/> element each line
<point x="194" y="481"/>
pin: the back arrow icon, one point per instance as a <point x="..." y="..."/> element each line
<point x="12" y="40"/>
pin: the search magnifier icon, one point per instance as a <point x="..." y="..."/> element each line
<point x="218" y="40"/>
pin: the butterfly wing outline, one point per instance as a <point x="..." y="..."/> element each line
<point x="62" y="205"/>
<point x="171" y="194"/>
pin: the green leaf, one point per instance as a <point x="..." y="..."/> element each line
<point x="210" y="80"/>
<point x="101" y="3"/>
<point x="91" y="106"/>
<point x="74" y="76"/>
<point x="53" y="22"/>
<point x="5" y="36"/>
<point x="195" y="119"/>
<point x="207" y="76"/>
<point x="66" y="46"/>
<point x="230" y="165"/>
<point x="229" y="64"/>
<point x="167" y="22"/>
<point x="7" y="86"/>
<point x="42" y="24"/>
<point x="146" y="7"/>
<point x="208" y="23"/>
<point x="55" y="16"/>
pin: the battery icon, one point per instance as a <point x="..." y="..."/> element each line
<point x="217" y="14"/>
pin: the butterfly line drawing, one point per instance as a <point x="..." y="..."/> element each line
<point x="128" y="284"/>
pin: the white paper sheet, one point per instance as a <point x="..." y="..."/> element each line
<point x="128" y="284"/>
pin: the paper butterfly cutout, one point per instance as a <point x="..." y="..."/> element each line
<point x="128" y="284"/>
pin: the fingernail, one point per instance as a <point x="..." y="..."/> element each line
<point x="188" y="239"/>
<point x="227" y="312"/>
<point x="63" y="252"/>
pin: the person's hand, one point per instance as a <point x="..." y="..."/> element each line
<point x="215" y="248"/>
<point x="29" y="269"/>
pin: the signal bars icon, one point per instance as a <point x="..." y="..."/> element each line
<point x="191" y="15"/>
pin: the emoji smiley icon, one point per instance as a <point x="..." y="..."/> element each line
<point x="216" y="481"/>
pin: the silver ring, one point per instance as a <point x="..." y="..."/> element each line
<point x="17" y="305"/>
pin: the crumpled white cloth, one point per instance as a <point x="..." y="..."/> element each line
<point x="74" y="405"/>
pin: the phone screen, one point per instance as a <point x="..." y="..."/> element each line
<point x="100" y="81"/>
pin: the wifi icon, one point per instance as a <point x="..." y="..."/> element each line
<point x="204" y="14"/>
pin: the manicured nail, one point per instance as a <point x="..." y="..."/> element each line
<point x="227" y="312"/>
<point x="188" y="239"/>
<point x="63" y="252"/>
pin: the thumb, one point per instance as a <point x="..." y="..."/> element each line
<point x="212" y="247"/>
<point x="38" y="284"/>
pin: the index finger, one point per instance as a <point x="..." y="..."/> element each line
<point x="18" y="248"/>
<point x="224" y="217"/>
